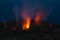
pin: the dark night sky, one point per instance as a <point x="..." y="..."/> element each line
<point x="7" y="14"/>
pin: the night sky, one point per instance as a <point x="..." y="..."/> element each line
<point x="53" y="6"/>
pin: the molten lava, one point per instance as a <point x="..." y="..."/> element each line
<point x="26" y="18"/>
<point x="26" y="24"/>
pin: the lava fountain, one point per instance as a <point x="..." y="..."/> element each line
<point x="26" y="20"/>
<point x="26" y="24"/>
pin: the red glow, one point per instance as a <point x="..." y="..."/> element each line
<point x="38" y="17"/>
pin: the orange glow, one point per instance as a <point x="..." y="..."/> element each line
<point x="26" y="18"/>
<point x="26" y="24"/>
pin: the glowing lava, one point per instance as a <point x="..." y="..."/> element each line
<point x="26" y="24"/>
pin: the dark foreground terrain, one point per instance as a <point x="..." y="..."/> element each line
<point x="43" y="33"/>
